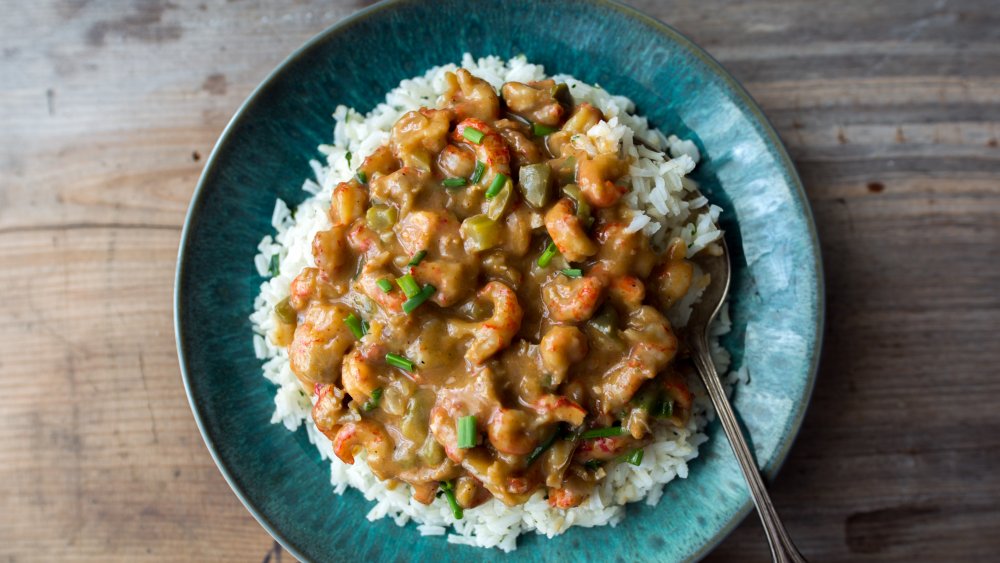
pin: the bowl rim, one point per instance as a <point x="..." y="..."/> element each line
<point x="669" y="33"/>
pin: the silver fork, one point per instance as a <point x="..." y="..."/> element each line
<point x="782" y="548"/>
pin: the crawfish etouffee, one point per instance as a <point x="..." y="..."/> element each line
<point x="482" y="317"/>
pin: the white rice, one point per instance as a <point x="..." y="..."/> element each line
<point x="659" y="194"/>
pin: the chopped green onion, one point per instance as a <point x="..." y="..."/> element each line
<point x="574" y="434"/>
<point x="354" y="323"/>
<point x="408" y="285"/>
<point x="417" y="300"/>
<point x="538" y="451"/>
<point x="384" y="284"/>
<point x="361" y="268"/>
<point x="395" y="360"/>
<point x="477" y="174"/>
<point x="467" y="432"/>
<point x="646" y="398"/>
<point x="547" y="255"/>
<point x="274" y="267"/>
<point x="542" y="130"/>
<point x="496" y="186"/>
<point x="572" y="272"/>
<point x="417" y="258"/>
<point x="362" y="177"/>
<point x="665" y="409"/>
<point x="501" y="203"/>
<point x="453" y="182"/>
<point x="582" y="207"/>
<point x="286" y="313"/>
<point x="365" y="326"/>
<point x="473" y="134"/>
<point x="634" y="457"/>
<point x="603" y="432"/>
<point x="449" y="493"/>
<point x="348" y="156"/>
<point x="372" y="401"/>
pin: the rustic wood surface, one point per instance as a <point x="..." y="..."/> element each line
<point x="891" y="111"/>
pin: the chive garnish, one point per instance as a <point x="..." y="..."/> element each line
<point x="384" y="284"/>
<point x="496" y="186"/>
<point x="547" y="255"/>
<point x="417" y="300"/>
<point x="362" y="177"/>
<point x="453" y="182"/>
<point x="477" y="174"/>
<point x="602" y="432"/>
<point x="542" y="130"/>
<point x="274" y="267"/>
<point x="467" y="432"/>
<point x="538" y="451"/>
<point x="361" y="267"/>
<point x="449" y="493"/>
<point x="354" y="323"/>
<point x="395" y="360"/>
<point x="417" y="258"/>
<point x="572" y="272"/>
<point x="372" y="401"/>
<point x="665" y="409"/>
<point x="408" y="285"/>
<point x="473" y="134"/>
<point x="634" y="457"/>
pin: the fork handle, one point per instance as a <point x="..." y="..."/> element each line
<point x="782" y="548"/>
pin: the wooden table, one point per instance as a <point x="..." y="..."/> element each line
<point x="891" y="111"/>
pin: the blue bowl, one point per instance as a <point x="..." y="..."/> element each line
<point x="777" y="295"/>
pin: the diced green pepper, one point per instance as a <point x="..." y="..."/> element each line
<point x="582" y="207"/>
<point x="480" y="232"/>
<point x="606" y="321"/>
<point x="565" y="170"/>
<point x="535" y="183"/>
<point x="561" y="93"/>
<point x="286" y="313"/>
<point x="431" y="452"/>
<point x="380" y="218"/>
<point x="414" y="425"/>
<point x="501" y="203"/>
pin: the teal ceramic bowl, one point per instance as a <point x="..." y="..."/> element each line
<point x="777" y="298"/>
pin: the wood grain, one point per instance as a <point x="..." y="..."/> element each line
<point x="891" y="111"/>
